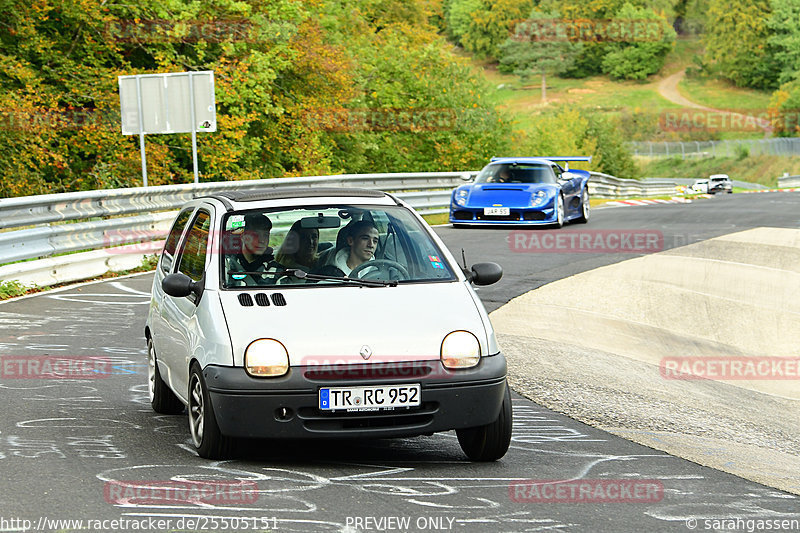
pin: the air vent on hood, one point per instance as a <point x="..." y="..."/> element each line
<point x="503" y="189"/>
<point x="278" y="299"/>
<point x="245" y="300"/>
<point x="262" y="299"/>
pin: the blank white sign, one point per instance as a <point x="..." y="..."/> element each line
<point x="166" y="102"/>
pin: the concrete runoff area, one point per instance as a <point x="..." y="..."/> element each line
<point x="594" y="346"/>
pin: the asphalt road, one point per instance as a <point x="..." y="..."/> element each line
<point x="67" y="446"/>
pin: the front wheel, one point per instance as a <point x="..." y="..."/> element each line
<point x="206" y="436"/>
<point x="584" y="218"/>
<point x="489" y="442"/>
<point x="559" y="212"/>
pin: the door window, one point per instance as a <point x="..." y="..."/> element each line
<point x="193" y="256"/>
<point x="171" y="246"/>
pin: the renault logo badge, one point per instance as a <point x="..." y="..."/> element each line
<point x="366" y="352"/>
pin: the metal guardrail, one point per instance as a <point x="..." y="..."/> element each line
<point x="788" y="181"/>
<point x="605" y="186"/>
<point x="144" y="215"/>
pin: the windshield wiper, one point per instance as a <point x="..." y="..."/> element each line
<point x="302" y="274"/>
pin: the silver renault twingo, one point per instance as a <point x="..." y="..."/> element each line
<point x="322" y="313"/>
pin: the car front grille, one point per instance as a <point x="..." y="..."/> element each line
<point x="417" y="417"/>
<point x="510" y="216"/>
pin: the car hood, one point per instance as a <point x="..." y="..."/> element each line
<point x="505" y="194"/>
<point x="331" y="325"/>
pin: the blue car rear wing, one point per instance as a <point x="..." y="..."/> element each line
<point x="567" y="159"/>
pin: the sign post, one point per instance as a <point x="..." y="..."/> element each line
<point x="180" y="102"/>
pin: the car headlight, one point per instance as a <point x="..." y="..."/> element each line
<point x="461" y="197"/>
<point x="266" y="358"/>
<point x="460" y="349"/>
<point x="538" y="198"/>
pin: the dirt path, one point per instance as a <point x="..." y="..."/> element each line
<point x="668" y="88"/>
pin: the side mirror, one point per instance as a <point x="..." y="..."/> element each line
<point x="485" y="273"/>
<point x="466" y="177"/>
<point x="180" y="285"/>
<point x="565" y="176"/>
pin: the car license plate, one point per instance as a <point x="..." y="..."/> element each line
<point x="371" y="398"/>
<point x="496" y="211"/>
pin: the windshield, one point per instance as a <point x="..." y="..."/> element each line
<point x="516" y="173"/>
<point x="328" y="245"/>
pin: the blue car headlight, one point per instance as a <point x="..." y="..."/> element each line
<point x="460" y="197"/>
<point x="538" y="198"/>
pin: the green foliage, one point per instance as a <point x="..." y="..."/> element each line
<point x="694" y="20"/>
<point x="611" y="156"/>
<point x="637" y="59"/>
<point x="459" y="17"/>
<point x="491" y="24"/>
<point x="785" y="38"/>
<point x="526" y="54"/>
<point x="574" y="132"/>
<point x="279" y="66"/>
<point x="785" y="108"/>
<point x="11" y="289"/>
<point x="736" y="42"/>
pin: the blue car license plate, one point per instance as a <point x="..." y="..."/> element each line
<point x="369" y="398"/>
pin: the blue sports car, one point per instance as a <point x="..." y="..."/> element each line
<point x="523" y="190"/>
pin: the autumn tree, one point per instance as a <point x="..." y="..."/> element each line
<point x="539" y="46"/>
<point x="736" y="42"/>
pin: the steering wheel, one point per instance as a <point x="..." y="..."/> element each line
<point x="383" y="265"/>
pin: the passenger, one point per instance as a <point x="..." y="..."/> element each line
<point x="255" y="255"/>
<point x="299" y="248"/>
<point x="362" y="241"/>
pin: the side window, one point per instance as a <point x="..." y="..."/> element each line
<point x="171" y="246"/>
<point x="192" y="261"/>
<point x="557" y="171"/>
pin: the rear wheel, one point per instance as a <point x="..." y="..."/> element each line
<point x="584" y="218"/>
<point x="206" y="436"/>
<point x="489" y="442"/>
<point x="162" y="399"/>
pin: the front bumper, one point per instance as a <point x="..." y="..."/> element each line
<point x="517" y="215"/>
<point x="287" y="407"/>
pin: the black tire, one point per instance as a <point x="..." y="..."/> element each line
<point x="162" y="399"/>
<point x="559" y="223"/>
<point x="585" y="208"/>
<point x="489" y="442"/>
<point x="206" y="436"/>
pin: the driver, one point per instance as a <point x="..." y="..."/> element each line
<point x="255" y="255"/>
<point x="361" y="244"/>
